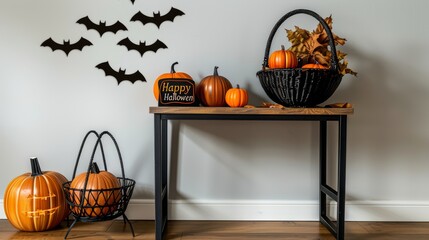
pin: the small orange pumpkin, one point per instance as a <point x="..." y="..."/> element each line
<point x="102" y="193"/>
<point x="282" y="59"/>
<point x="212" y="89"/>
<point x="36" y="201"/>
<point x="171" y="74"/>
<point x="236" y="97"/>
<point x="314" y="65"/>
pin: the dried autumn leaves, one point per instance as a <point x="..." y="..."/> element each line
<point x="312" y="47"/>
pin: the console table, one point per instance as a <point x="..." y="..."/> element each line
<point x="322" y="115"/>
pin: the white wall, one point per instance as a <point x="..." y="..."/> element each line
<point x="49" y="101"/>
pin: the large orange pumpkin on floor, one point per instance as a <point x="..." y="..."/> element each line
<point x="102" y="193"/>
<point x="282" y="59"/>
<point x="171" y="74"/>
<point x="36" y="201"/>
<point x="212" y="90"/>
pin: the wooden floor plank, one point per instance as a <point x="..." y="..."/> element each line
<point x="224" y="230"/>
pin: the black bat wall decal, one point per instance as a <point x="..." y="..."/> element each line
<point x="142" y="47"/>
<point x="157" y="19"/>
<point x="101" y="28"/>
<point x="66" y="46"/>
<point x="120" y="75"/>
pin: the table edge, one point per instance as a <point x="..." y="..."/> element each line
<point x="250" y="111"/>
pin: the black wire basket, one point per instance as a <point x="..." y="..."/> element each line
<point x="298" y="87"/>
<point x="91" y="205"/>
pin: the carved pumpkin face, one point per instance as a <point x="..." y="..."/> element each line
<point x="35" y="201"/>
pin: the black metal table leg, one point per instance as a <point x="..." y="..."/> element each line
<point x="337" y="229"/>
<point x="322" y="168"/>
<point x="342" y="139"/>
<point x="161" y="191"/>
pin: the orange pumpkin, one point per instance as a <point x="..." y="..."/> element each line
<point x="212" y="89"/>
<point x="171" y="74"/>
<point x="36" y="201"/>
<point x="102" y="193"/>
<point x="282" y="59"/>
<point x="314" y="65"/>
<point x="236" y="97"/>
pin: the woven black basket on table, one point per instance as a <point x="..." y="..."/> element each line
<point x="297" y="87"/>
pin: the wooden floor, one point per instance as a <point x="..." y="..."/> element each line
<point x="216" y="230"/>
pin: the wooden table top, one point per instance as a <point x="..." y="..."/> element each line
<point x="253" y="111"/>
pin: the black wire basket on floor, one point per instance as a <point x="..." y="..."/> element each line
<point x="298" y="87"/>
<point x="92" y="205"/>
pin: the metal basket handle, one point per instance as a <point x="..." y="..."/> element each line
<point x="99" y="142"/>
<point x="81" y="149"/>
<point x="334" y="58"/>
<point x="117" y="149"/>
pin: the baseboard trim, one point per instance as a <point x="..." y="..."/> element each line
<point x="262" y="210"/>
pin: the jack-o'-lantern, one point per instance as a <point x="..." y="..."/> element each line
<point x="36" y="201"/>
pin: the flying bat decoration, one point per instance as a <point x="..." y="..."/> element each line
<point x="66" y="46"/>
<point x="142" y="47"/>
<point x="120" y="75"/>
<point x="101" y="27"/>
<point x="157" y="19"/>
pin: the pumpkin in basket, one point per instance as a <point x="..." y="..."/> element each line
<point x="282" y="59"/>
<point x="314" y="65"/>
<point x="102" y="193"/>
<point x="236" y="97"/>
<point x="36" y="201"/>
<point x="171" y="74"/>
<point x="212" y="89"/>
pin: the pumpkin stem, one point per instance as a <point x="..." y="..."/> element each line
<point x="215" y="73"/>
<point x="172" y="67"/>
<point x="238" y="86"/>
<point x="35" y="167"/>
<point x="283" y="47"/>
<point x="94" y="168"/>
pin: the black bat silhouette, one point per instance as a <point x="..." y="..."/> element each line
<point x="120" y="75"/>
<point x="101" y="28"/>
<point x="157" y="19"/>
<point x="142" y="47"/>
<point x="66" y="46"/>
<point x="133" y="1"/>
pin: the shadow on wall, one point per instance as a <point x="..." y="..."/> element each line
<point x="388" y="130"/>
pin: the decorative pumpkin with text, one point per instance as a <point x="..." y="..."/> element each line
<point x="177" y="92"/>
<point x="236" y="97"/>
<point x="282" y="59"/>
<point x="102" y="193"/>
<point x="171" y="74"/>
<point x="36" y="201"/>
<point x="212" y="90"/>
